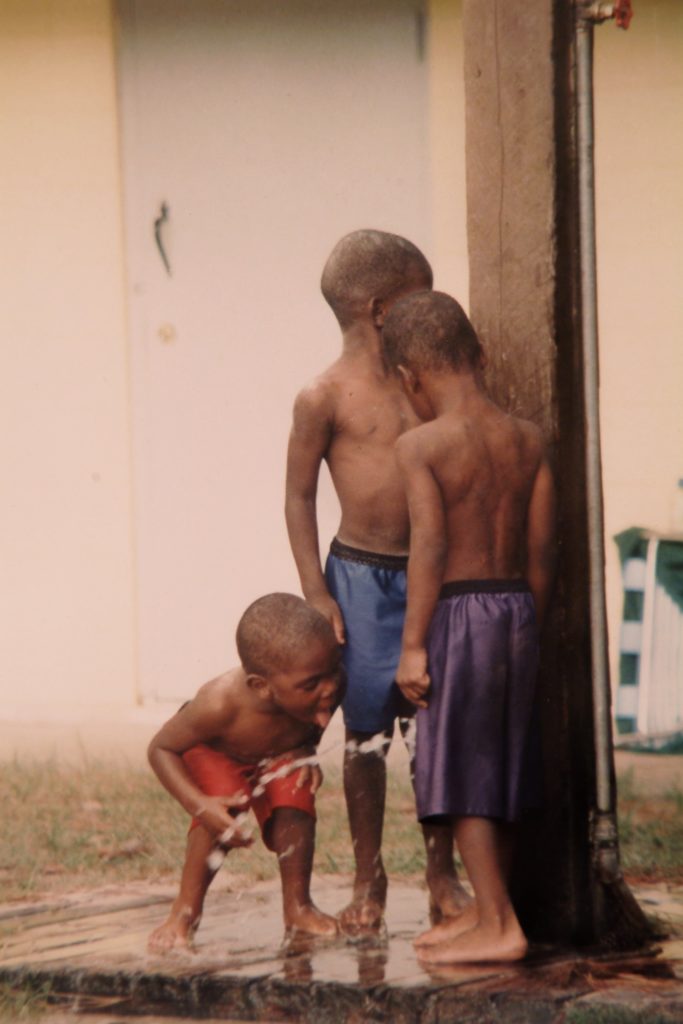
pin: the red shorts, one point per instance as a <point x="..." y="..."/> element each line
<point x="216" y="774"/>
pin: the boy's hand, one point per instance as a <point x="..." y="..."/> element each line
<point x="213" y="815"/>
<point x="310" y="774"/>
<point x="328" y="607"/>
<point x="411" y="676"/>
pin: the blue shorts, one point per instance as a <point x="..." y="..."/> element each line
<point x="370" y="589"/>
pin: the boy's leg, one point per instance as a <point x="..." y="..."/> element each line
<point x="181" y="924"/>
<point x="452" y="925"/>
<point x="497" y="934"/>
<point x="365" y="787"/>
<point x="291" y="835"/>
<point x="447" y="897"/>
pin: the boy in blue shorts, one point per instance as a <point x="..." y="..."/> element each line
<point x="351" y="416"/>
<point x="482" y="515"/>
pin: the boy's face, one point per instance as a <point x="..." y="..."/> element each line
<point x="310" y="688"/>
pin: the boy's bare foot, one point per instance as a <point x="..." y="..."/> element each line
<point x="177" y="931"/>
<point x="365" y="912"/>
<point x="447" y="897"/>
<point x="449" y="928"/>
<point x="308" y="920"/>
<point x="479" y="945"/>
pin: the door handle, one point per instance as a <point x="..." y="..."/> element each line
<point x="158" y="224"/>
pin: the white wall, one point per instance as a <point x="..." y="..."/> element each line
<point x="639" y="175"/>
<point x="67" y="591"/>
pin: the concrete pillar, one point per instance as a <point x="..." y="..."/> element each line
<point x="524" y="302"/>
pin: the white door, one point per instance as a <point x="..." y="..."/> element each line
<point x="267" y="129"/>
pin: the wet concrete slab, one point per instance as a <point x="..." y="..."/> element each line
<point x="92" y="951"/>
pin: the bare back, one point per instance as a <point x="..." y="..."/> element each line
<point x="486" y="464"/>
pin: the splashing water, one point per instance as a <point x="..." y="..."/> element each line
<point x="409" y="737"/>
<point x="282" y="771"/>
<point x="241" y="829"/>
<point x="378" y="744"/>
<point x="215" y="859"/>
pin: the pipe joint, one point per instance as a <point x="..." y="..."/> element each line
<point x="604" y="839"/>
<point x="597" y="11"/>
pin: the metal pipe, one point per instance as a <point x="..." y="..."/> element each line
<point x="589" y="329"/>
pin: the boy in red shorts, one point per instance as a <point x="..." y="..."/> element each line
<point x="248" y="740"/>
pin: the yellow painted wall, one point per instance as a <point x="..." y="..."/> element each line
<point x="67" y="568"/>
<point x="639" y="181"/>
<point x="447" y="146"/>
<point x="67" y="575"/>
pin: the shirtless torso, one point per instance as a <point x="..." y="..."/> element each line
<point x="229" y="718"/>
<point x="350" y="416"/>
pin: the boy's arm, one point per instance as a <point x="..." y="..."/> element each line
<point x="193" y="724"/>
<point x="541" y="540"/>
<point x="425" y="562"/>
<point x="309" y="440"/>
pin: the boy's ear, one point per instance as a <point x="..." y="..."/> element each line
<point x="257" y="683"/>
<point x="378" y="312"/>
<point x="408" y="379"/>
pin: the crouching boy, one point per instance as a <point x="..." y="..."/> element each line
<point x="247" y="740"/>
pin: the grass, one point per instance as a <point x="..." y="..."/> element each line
<point x="22" y="1003"/>
<point x="96" y="825"/>
<point x="651" y="832"/>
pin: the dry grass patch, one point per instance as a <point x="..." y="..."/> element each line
<point x="101" y="824"/>
<point x="71" y="828"/>
<point x="651" y="831"/>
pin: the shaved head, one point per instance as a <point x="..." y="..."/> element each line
<point x="274" y="627"/>
<point x="430" y="331"/>
<point x="368" y="265"/>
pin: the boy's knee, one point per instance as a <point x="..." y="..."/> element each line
<point x="288" y="825"/>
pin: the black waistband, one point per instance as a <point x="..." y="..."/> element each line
<point x="373" y="558"/>
<point x="455" y="587"/>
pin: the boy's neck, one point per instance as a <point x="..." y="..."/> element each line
<point x="362" y="338"/>
<point x="453" y="392"/>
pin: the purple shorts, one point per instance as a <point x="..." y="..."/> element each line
<point x="476" y="745"/>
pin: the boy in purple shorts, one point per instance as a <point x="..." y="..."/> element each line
<point x="351" y="416"/>
<point x="482" y="512"/>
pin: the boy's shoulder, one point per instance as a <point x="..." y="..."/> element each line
<point x="219" y="697"/>
<point x="322" y="394"/>
<point x="532" y="434"/>
<point x="528" y="427"/>
<point x="448" y="432"/>
<point x="421" y="443"/>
